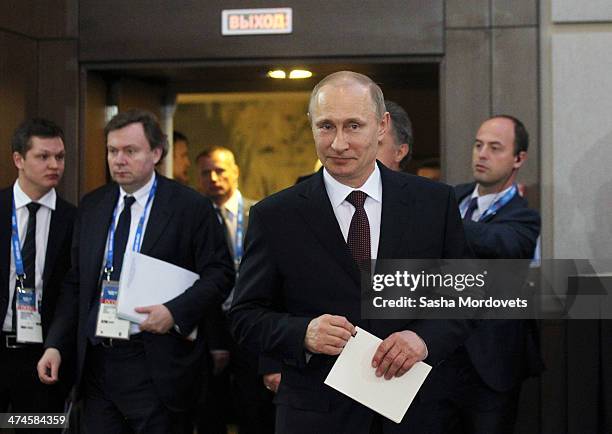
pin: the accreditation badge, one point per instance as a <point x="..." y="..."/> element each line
<point x="29" y="325"/>
<point x="108" y="325"/>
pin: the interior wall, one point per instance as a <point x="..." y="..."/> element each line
<point x="17" y="94"/>
<point x="490" y="67"/>
<point x="187" y="30"/>
<point x="576" y="87"/>
<point x="268" y="133"/>
<point x="39" y="77"/>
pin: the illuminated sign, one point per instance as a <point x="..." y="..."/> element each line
<point x="256" y="21"/>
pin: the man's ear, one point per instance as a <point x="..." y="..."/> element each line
<point x="384" y="125"/>
<point x="18" y="160"/>
<point x="402" y="151"/>
<point x="519" y="159"/>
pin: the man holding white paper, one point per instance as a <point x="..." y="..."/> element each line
<point x="298" y="294"/>
<point x="137" y="377"/>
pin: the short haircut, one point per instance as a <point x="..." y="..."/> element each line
<point x="401" y="127"/>
<point x="207" y="152"/>
<point x="177" y="136"/>
<point x="521" y="136"/>
<point x="152" y="130"/>
<point x="376" y="93"/>
<point x="35" y="127"/>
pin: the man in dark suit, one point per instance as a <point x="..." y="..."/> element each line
<point x="219" y="177"/>
<point x="138" y="384"/>
<point x="42" y="234"/>
<point x="298" y="294"/>
<point x="498" y="225"/>
<point x="395" y="148"/>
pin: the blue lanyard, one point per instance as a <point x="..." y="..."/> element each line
<point x="499" y="203"/>
<point x="238" y="249"/>
<point x="17" y="246"/>
<point x="108" y="268"/>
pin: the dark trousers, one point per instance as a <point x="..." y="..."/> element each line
<point x="20" y="388"/>
<point x="468" y="405"/>
<point x="119" y="395"/>
<point x="238" y="391"/>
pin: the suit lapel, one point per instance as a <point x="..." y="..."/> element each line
<point x="316" y="209"/>
<point x="161" y="210"/>
<point x="6" y="206"/>
<point x="57" y="231"/>
<point x="398" y="213"/>
<point x="93" y="252"/>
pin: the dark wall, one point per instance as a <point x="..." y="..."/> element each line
<point x="191" y="29"/>
<point x="39" y="76"/>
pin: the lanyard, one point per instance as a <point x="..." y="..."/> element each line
<point x="108" y="268"/>
<point x="239" y="231"/>
<point x="499" y="203"/>
<point x="16" y="246"/>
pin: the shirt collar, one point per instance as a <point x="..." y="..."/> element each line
<point x="232" y="203"/>
<point x="22" y="199"/>
<point x="337" y="192"/>
<point x="485" y="201"/>
<point x="141" y="195"/>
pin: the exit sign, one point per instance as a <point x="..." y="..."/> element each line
<point x="256" y="21"/>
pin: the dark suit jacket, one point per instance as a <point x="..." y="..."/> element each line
<point x="297" y="266"/>
<point x="216" y="324"/>
<point x="57" y="257"/>
<point x="57" y="263"/>
<point x="182" y="229"/>
<point x="504" y="352"/>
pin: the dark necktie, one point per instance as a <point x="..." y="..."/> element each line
<point x="28" y="255"/>
<point x="358" y="239"/>
<point x="222" y="217"/>
<point x="122" y="233"/>
<point x="473" y="206"/>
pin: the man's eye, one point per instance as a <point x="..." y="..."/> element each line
<point x="354" y="126"/>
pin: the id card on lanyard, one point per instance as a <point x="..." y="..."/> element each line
<point x="29" y="323"/>
<point x="108" y="324"/>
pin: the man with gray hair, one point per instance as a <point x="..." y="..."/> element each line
<point x="297" y="298"/>
<point x="394" y="150"/>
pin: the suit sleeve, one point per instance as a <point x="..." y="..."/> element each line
<point x="509" y="235"/>
<point x="62" y="333"/>
<point x="258" y="320"/>
<point x="212" y="263"/>
<point x="442" y="337"/>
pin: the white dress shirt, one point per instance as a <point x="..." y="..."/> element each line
<point x="43" y="221"/>
<point x="343" y="210"/>
<point x="138" y="207"/>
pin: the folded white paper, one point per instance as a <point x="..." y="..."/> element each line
<point x="146" y="281"/>
<point x="353" y="375"/>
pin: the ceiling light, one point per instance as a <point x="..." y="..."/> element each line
<point x="300" y="73"/>
<point x="277" y="73"/>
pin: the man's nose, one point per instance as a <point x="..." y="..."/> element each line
<point x="213" y="176"/>
<point x="340" y="143"/>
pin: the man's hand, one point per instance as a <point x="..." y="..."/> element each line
<point x="220" y="360"/>
<point x="272" y="381"/>
<point x="159" y="320"/>
<point x="48" y="366"/>
<point x="396" y="354"/>
<point x="328" y="334"/>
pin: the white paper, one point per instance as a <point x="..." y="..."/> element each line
<point x="353" y="375"/>
<point x="146" y="281"/>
